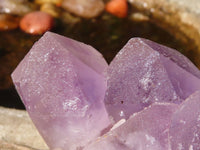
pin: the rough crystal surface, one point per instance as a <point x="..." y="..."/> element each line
<point x="62" y="84"/>
<point x="185" y="126"/>
<point x="144" y="72"/>
<point x="145" y="130"/>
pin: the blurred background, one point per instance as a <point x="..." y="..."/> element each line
<point x="105" y="24"/>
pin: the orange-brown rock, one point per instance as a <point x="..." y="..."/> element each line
<point x="118" y="8"/>
<point x="8" y="22"/>
<point x="36" y="22"/>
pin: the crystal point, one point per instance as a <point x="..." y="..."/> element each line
<point x="62" y="84"/>
<point x="144" y="72"/>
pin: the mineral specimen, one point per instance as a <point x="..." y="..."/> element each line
<point x="144" y="72"/>
<point x="145" y="130"/>
<point x="151" y="94"/>
<point x="185" y="126"/>
<point x="62" y="84"/>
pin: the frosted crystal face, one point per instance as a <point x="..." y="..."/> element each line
<point x="145" y="130"/>
<point x="62" y="84"/>
<point x="144" y="72"/>
<point x="185" y="126"/>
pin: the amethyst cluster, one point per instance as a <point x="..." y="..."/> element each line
<point x="148" y="98"/>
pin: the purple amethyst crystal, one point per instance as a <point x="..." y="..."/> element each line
<point x="151" y="94"/>
<point x="145" y="130"/>
<point x="62" y="84"/>
<point x="185" y="125"/>
<point x="144" y="72"/>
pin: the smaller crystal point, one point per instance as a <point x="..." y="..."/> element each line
<point x="144" y="72"/>
<point x="183" y="74"/>
<point x="145" y="130"/>
<point x="62" y="84"/>
<point x="185" y="125"/>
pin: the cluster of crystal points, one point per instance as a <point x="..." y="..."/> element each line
<point x="148" y="98"/>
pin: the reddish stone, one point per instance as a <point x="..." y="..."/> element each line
<point x="118" y="8"/>
<point x="36" y="22"/>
